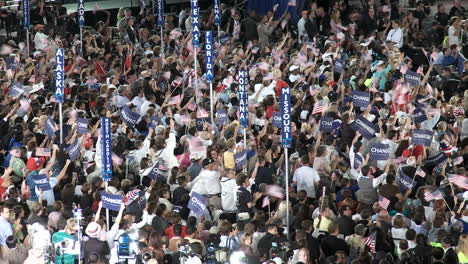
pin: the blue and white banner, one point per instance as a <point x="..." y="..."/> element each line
<point x="209" y="56"/>
<point x="110" y="201"/>
<point x="243" y="100"/>
<point x="358" y="160"/>
<point x="74" y="150"/>
<point x="221" y="117"/>
<point x="404" y="181"/>
<point x="82" y="125"/>
<point x="419" y="116"/>
<point x="12" y="62"/>
<point x="154" y="122"/>
<point x="412" y="78"/>
<point x="195" y="23"/>
<point x="326" y="124"/>
<point x="59" y="75"/>
<point x="240" y="159"/>
<point x="339" y="64"/>
<point x="364" y="126"/>
<point x="277" y="120"/>
<point x="16" y="89"/>
<point x="130" y="118"/>
<point x="26" y="14"/>
<point x="106" y="144"/>
<point x="157" y="172"/>
<point x="41" y="181"/>
<point x="81" y="19"/>
<point x="379" y="151"/>
<point x="422" y="137"/>
<point x="199" y="123"/>
<point x="436" y="160"/>
<point x="161" y="13"/>
<point x="197" y="204"/>
<point x="286" y="132"/>
<point x="360" y="99"/>
<point x="217" y="13"/>
<point x="49" y="129"/>
<point x="224" y="38"/>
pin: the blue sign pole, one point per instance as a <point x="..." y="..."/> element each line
<point x="195" y="40"/>
<point x="161" y="23"/>
<point x="81" y="21"/>
<point x="243" y="103"/>
<point x="209" y="67"/>
<point x="217" y="16"/>
<point x="106" y="145"/>
<point x="26" y="22"/>
<point x="286" y="136"/>
<point x="59" y="72"/>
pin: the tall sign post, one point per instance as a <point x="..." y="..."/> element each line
<point x="81" y="21"/>
<point x="209" y="67"/>
<point x="217" y="16"/>
<point x="161" y="23"/>
<point x="59" y="72"/>
<point x="286" y="137"/>
<point x="26" y="22"/>
<point x="106" y="144"/>
<point x="243" y="104"/>
<point x="195" y="40"/>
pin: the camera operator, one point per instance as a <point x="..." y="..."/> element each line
<point x="65" y="244"/>
<point x="268" y="241"/>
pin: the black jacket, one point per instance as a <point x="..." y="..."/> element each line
<point x="331" y="244"/>
<point x="93" y="245"/>
<point x="346" y="225"/>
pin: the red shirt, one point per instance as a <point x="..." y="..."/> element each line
<point x="2" y="189"/>
<point x="170" y="231"/>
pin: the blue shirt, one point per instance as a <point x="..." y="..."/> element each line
<point x="5" y="230"/>
<point x="32" y="186"/>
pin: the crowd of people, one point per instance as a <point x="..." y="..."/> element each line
<point x="377" y="168"/>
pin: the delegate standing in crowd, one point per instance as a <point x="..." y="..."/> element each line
<point x="377" y="168"/>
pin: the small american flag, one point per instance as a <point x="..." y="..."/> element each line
<point x="266" y="201"/>
<point x="383" y="202"/>
<point x="131" y="196"/>
<point x="174" y="100"/>
<point x="201" y="113"/>
<point x="319" y="107"/>
<point x="275" y="191"/>
<point x="43" y="152"/>
<point x="420" y="172"/>
<point x="370" y="242"/>
<point x="435" y="195"/>
<point x="459" y="180"/>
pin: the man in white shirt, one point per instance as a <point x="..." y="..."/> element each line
<point x="395" y="36"/>
<point x="208" y="183"/>
<point x="302" y="33"/>
<point x="41" y="40"/>
<point x="306" y="178"/>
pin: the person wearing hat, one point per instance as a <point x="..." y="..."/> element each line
<point x="208" y="183"/>
<point x="195" y="165"/>
<point x="93" y="244"/>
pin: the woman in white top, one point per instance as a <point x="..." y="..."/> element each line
<point x="454" y="32"/>
<point x="395" y="36"/>
<point x="399" y="230"/>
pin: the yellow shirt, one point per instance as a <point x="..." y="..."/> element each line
<point x="462" y="258"/>
<point x="229" y="162"/>
<point x="323" y="225"/>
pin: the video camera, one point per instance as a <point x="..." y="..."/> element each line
<point x="281" y="250"/>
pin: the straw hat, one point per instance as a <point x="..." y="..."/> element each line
<point x="93" y="229"/>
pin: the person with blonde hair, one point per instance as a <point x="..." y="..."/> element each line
<point x="462" y="248"/>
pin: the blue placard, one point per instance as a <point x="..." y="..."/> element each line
<point x="195" y="23"/>
<point x="286" y="132"/>
<point x="436" y="160"/>
<point x="358" y="160"/>
<point x="364" y="126"/>
<point x="240" y="159"/>
<point x="156" y="172"/>
<point x="154" y="122"/>
<point x="49" y="129"/>
<point x="379" y="151"/>
<point x="412" y="78"/>
<point x="197" y="204"/>
<point x="217" y="13"/>
<point x="26" y="14"/>
<point x="422" y="137"/>
<point x="130" y="118"/>
<point x="404" y="181"/>
<point x="59" y="75"/>
<point x="110" y="201"/>
<point x="209" y="56"/>
<point x="16" y="89"/>
<point x="277" y="119"/>
<point x="339" y="65"/>
<point x="199" y="123"/>
<point x="41" y="181"/>
<point x="11" y="62"/>
<point x="106" y="144"/>
<point x="161" y="13"/>
<point x="326" y="124"/>
<point x="81" y="19"/>
<point x="419" y="116"/>
<point x="74" y="150"/>
<point x="82" y="125"/>
<point x="221" y="117"/>
<point x="243" y="100"/>
<point x="360" y="99"/>
<point x="224" y="38"/>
